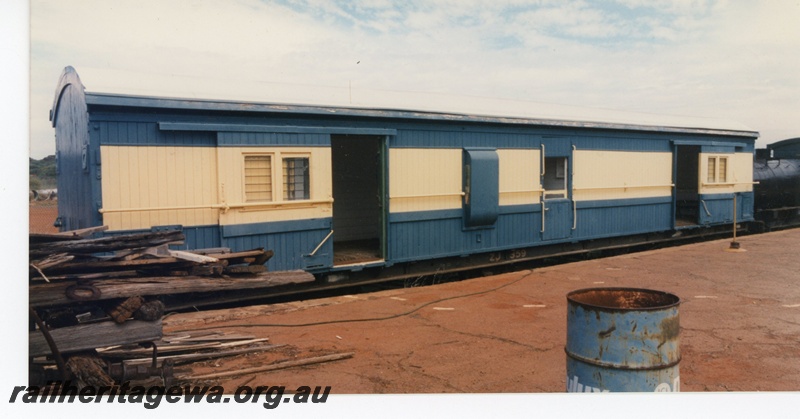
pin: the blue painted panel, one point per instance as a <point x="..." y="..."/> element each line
<point x="718" y="209"/>
<point x="557" y="146"/>
<point x="624" y="202"/>
<point x="273" y="139"/>
<point x="191" y="126"/>
<point x="403" y="217"/>
<point x="459" y="137"/>
<point x="138" y="133"/>
<point x="291" y="248"/>
<point x="557" y="219"/>
<point x="746" y="206"/>
<point x="202" y="237"/>
<point x="718" y="149"/>
<point x="519" y="229"/>
<point x="292" y="242"/>
<point x="253" y="229"/>
<point x="430" y="237"/>
<point x="626" y="217"/>
<point x="429" y="234"/>
<point x="481" y="187"/>
<point x="622" y="142"/>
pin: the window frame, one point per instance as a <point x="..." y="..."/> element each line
<point x="271" y="183"/>
<point x="284" y="179"/>
<point x="278" y="181"/>
<point x="717" y="168"/>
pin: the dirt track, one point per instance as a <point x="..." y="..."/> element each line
<point x="740" y="325"/>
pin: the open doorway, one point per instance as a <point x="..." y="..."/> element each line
<point x="358" y="198"/>
<point x="687" y="200"/>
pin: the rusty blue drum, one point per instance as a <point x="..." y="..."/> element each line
<point x="622" y="339"/>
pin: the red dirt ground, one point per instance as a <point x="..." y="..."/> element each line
<point x="740" y="326"/>
<point x="42" y="215"/>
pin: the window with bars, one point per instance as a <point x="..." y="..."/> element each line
<point x="717" y="171"/>
<point x="295" y="179"/>
<point x="258" y="178"/>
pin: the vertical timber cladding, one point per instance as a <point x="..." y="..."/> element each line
<point x="621" y="192"/>
<point x="426" y="195"/>
<point x="145" y="186"/>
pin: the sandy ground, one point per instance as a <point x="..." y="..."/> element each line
<point x="739" y="316"/>
<point x="42" y="215"/>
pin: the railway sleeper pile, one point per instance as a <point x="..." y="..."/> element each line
<point x="87" y="295"/>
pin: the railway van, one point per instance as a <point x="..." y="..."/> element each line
<point x="396" y="190"/>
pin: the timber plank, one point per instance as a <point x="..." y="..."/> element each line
<point x="52" y="294"/>
<point x="271" y="367"/>
<point x="94" y="335"/>
<point x="106" y="244"/>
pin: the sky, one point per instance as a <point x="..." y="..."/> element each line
<point x="732" y="60"/>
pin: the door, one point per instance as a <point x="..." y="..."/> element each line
<point x="358" y="177"/>
<point x="557" y="209"/>
<point x="687" y="198"/>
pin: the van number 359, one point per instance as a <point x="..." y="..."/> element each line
<point x="511" y="255"/>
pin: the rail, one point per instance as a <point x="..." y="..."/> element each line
<point x="725" y="184"/>
<point x="433" y="195"/>
<point x="224" y="207"/>
<point x="598" y="188"/>
<point x="523" y="191"/>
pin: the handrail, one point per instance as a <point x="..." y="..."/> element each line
<point x="705" y="207"/>
<point x="223" y="207"/>
<point x="594" y="188"/>
<point x="542" y="200"/>
<point x="524" y="191"/>
<point x="729" y="183"/>
<point x="434" y="195"/>
<point x="541" y="160"/>
<point x="314" y="252"/>
<point x="574" y="214"/>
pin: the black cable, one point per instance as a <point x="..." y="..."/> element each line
<point x="369" y="319"/>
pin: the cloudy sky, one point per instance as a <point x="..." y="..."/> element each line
<point x="735" y="60"/>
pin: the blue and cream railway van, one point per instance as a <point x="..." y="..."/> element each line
<point x="713" y="183"/>
<point x="556" y="181"/>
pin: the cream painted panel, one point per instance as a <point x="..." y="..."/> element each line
<point x="239" y="211"/>
<point x="149" y="186"/>
<point x="424" y="179"/>
<point x="740" y="174"/>
<point x="519" y="176"/>
<point x="599" y="175"/>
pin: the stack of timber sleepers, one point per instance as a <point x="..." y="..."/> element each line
<point x="87" y="293"/>
<point x="67" y="268"/>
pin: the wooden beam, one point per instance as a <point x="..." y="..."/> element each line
<point x="94" y="335"/>
<point x="271" y="367"/>
<point x="176" y="359"/>
<point x="52" y="294"/>
<point x="106" y="244"/>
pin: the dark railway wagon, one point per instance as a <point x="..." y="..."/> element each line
<point x="392" y="192"/>
<point x="777" y="193"/>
